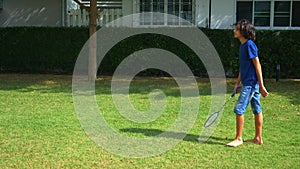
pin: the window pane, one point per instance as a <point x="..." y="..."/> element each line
<point x="244" y="11"/>
<point x="186" y="10"/>
<point x="145" y="6"/>
<point x="1" y="4"/>
<point x="158" y="6"/>
<point x="173" y="9"/>
<point x="179" y="8"/>
<point x="186" y="5"/>
<point x="282" y="13"/>
<point x="296" y="13"/>
<point x="262" y="13"/>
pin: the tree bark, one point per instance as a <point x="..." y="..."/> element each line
<point x="93" y="15"/>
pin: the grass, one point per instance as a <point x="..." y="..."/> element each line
<point x="39" y="127"/>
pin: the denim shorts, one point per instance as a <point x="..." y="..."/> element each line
<point x="248" y="94"/>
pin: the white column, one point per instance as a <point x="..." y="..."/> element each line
<point x="84" y="20"/>
<point x="272" y="15"/>
<point x="80" y="18"/>
<point x="166" y="12"/>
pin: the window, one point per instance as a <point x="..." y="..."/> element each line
<point x="269" y="13"/>
<point x="296" y="13"/>
<point x="262" y="13"/>
<point x="282" y="13"/>
<point x="158" y="6"/>
<point x="173" y="9"/>
<point x="180" y="8"/>
<point x="187" y="10"/>
<point x="145" y="6"/>
<point x="244" y="11"/>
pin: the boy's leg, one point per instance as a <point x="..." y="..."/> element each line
<point x="257" y="110"/>
<point x="239" y="127"/>
<point x="239" y="110"/>
<point x="258" y="129"/>
<point x="239" y="131"/>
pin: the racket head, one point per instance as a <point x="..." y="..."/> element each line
<point x="211" y="119"/>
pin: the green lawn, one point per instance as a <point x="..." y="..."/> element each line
<point x="39" y="127"/>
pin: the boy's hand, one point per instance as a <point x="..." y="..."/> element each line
<point x="264" y="91"/>
<point x="236" y="89"/>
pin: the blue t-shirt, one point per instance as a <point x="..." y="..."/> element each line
<point x="248" y="51"/>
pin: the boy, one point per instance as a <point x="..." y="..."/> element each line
<point x="251" y="78"/>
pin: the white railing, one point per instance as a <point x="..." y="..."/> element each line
<point x="80" y="17"/>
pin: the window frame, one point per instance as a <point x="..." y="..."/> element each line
<point x="291" y="19"/>
<point x="272" y="15"/>
<point x="254" y="13"/>
<point x="166" y="10"/>
<point x="289" y="15"/>
<point x="236" y="8"/>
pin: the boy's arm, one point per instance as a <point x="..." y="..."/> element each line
<point x="257" y="66"/>
<point x="237" y="85"/>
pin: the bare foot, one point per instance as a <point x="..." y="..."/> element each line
<point x="235" y="143"/>
<point x="255" y="140"/>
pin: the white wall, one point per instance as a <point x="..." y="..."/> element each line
<point x="31" y="13"/>
<point x="222" y="14"/>
<point x="127" y="7"/>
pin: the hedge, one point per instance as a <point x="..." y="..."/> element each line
<point x="55" y="50"/>
<point x="40" y="49"/>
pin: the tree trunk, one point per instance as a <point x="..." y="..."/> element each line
<point x="93" y="15"/>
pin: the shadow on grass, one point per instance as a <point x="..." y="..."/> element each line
<point x="63" y="84"/>
<point x="188" y="137"/>
<point x="289" y="88"/>
<point x="42" y="83"/>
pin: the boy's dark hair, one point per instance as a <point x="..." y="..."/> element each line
<point x="246" y="28"/>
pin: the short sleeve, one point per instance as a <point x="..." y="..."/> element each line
<point x="252" y="50"/>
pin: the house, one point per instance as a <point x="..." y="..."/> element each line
<point x="215" y="14"/>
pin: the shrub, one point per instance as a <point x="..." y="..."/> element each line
<point x="55" y="50"/>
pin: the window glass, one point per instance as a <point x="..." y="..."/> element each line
<point x="173" y="9"/>
<point x="282" y="13"/>
<point x="244" y="11"/>
<point x="145" y="6"/>
<point x="296" y="13"/>
<point x="180" y="8"/>
<point x="186" y="12"/>
<point x="262" y="13"/>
